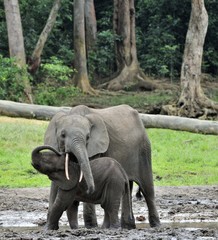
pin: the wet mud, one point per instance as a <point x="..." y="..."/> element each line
<point x="185" y="213"/>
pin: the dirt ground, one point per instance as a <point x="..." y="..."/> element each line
<point x="185" y="213"/>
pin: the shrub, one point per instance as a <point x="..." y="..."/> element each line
<point x="56" y="83"/>
<point x="11" y="84"/>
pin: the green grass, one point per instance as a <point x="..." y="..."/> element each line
<point x="18" y="137"/>
<point x="179" y="158"/>
<point x="138" y="100"/>
<point x="182" y="158"/>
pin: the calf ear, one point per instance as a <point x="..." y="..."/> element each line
<point x="61" y="181"/>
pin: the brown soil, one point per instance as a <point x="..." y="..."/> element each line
<point x="185" y="213"/>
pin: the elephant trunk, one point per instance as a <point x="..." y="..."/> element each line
<point x="83" y="160"/>
<point x="37" y="157"/>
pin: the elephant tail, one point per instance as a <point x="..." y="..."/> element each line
<point x="127" y="217"/>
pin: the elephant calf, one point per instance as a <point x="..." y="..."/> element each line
<point x="111" y="185"/>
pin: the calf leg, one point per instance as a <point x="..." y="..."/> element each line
<point x="111" y="203"/>
<point x="72" y="214"/>
<point x="62" y="201"/>
<point x="89" y="215"/>
<point x="106" y="222"/>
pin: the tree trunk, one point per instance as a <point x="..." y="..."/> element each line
<point x="16" y="42"/>
<point x="129" y="75"/>
<point x="193" y="103"/>
<point x="90" y="24"/>
<point x="35" y="59"/>
<point x="81" y="77"/>
<point x="14" y="109"/>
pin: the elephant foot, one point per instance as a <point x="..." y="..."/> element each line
<point x="51" y="227"/>
<point x="154" y="221"/>
<point x="91" y="225"/>
<point x="73" y="225"/>
<point x="130" y="224"/>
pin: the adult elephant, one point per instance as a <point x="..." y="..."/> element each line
<point x="117" y="132"/>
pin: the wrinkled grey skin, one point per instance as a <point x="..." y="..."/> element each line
<point x="111" y="184"/>
<point x="115" y="132"/>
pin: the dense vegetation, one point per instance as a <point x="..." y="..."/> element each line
<point x="179" y="158"/>
<point x="161" y="28"/>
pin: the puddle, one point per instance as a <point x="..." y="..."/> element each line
<point x="31" y="220"/>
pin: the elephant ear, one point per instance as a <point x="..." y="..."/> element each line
<point x="99" y="139"/>
<point x="81" y="110"/>
<point x="50" y="137"/>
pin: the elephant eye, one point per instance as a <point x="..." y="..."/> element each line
<point x="63" y="134"/>
<point x="87" y="137"/>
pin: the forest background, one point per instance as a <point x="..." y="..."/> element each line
<point x="161" y="28"/>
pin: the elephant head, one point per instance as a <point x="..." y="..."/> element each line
<point x="52" y="164"/>
<point x="80" y="137"/>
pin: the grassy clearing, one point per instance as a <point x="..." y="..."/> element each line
<point x="182" y="158"/>
<point x="179" y="158"/>
<point x="18" y="138"/>
<point x="138" y="100"/>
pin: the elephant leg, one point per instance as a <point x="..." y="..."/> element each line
<point x="62" y="202"/>
<point x="111" y="203"/>
<point x="127" y="218"/>
<point x="114" y="219"/>
<point x="52" y="197"/>
<point x="89" y="215"/>
<point x="106" y="222"/>
<point x="54" y="216"/>
<point x="72" y="214"/>
<point x="145" y="182"/>
<point x="111" y="219"/>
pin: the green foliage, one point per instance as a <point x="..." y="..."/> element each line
<point x="210" y="55"/>
<point x="56" y="83"/>
<point x="179" y="158"/>
<point x="3" y="31"/>
<point x="59" y="44"/>
<point x="101" y="60"/>
<point x="161" y="35"/>
<point x="11" y="84"/>
<point x="56" y="70"/>
<point x="161" y="27"/>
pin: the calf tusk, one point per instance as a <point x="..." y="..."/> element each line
<point x="81" y="176"/>
<point x="66" y="166"/>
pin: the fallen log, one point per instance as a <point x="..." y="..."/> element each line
<point x="180" y="123"/>
<point x="41" y="112"/>
<point x="24" y="110"/>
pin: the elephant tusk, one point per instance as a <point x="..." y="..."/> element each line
<point x="66" y="166"/>
<point x="81" y="176"/>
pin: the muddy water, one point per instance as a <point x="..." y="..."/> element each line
<point x="185" y="213"/>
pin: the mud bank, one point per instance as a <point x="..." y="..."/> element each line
<point x="185" y="213"/>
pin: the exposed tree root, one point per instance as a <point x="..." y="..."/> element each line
<point x="131" y="78"/>
<point x="201" y="107"/>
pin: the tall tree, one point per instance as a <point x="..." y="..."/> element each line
<point x="16" y="42"/>
<point x="35" y="59"/>
<point x="193" y="102"/>
<point x="90" y="24"/>
<point x="129" y="74"/>
<point x="81" y="77"/>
